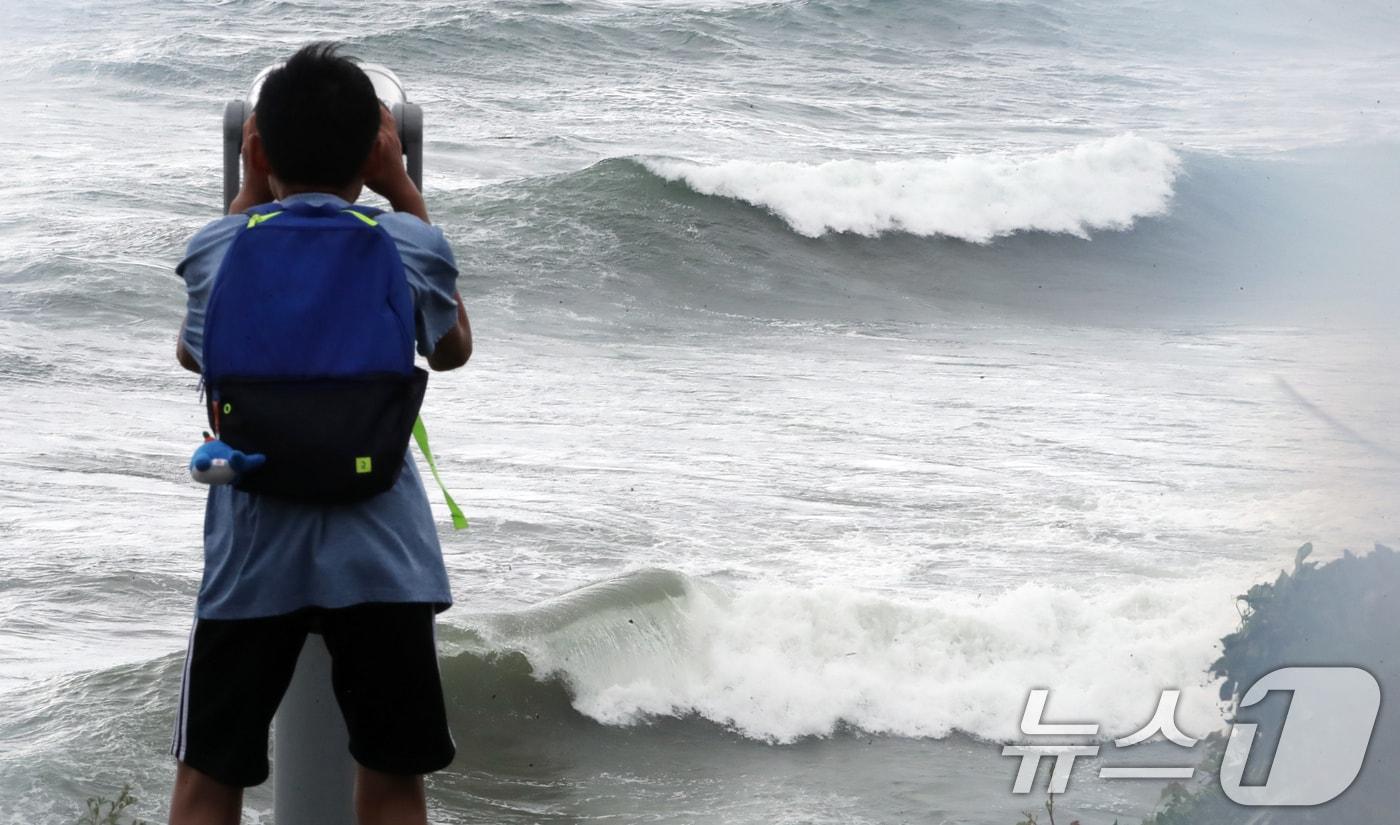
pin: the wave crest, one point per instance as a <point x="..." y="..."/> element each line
<point x="778" y="663"/>
<point x="1102" y="184"/>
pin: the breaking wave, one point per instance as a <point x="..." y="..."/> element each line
<point x="773" y="663"/>
<point x="1103" y="184"/>
<point x="778" y="663"/>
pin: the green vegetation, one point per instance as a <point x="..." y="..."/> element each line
<point x="102" y="811"/>
<point x="1031" y="817"/>
<point x="1341" y="613"/>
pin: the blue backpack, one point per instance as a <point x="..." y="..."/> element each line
<point x="308" y="353"/>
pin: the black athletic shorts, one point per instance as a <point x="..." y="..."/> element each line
<point x="384" y="671"/>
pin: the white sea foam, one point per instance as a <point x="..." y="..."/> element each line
<point x="778" y="663"/>
<point x="1103" y="184"/>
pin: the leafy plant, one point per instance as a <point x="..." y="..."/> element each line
<point x="1049" y="811"/>
<point x="1340" y="613"/>
<point x="102" y="811"/>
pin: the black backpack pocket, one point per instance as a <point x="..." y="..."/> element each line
<point x="328" y="441"/>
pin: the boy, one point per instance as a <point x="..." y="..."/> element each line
<point x="370" y="575"/>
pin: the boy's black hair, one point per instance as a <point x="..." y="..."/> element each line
<point x="318" y="117"/>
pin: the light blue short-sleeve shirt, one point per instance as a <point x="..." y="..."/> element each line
<point x="265" y="556"/>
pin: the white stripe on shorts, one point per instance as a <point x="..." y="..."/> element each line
<point x="178" y="742"/>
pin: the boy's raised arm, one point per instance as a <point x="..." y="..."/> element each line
<point x="385" y="173"/>
<point x="455" y="347"/>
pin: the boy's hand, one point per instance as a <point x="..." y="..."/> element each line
<point x="255" y="188"/>
<point x="385" y="173"/>
<point x="384" y="170"/>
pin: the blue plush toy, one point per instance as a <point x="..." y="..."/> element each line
<point x="217" y="463"/>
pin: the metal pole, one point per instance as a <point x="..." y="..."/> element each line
<point x="312" y="772"/>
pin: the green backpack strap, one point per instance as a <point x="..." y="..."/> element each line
<point x="420" y="434"/>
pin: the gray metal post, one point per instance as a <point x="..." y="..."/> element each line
<point x="312" y="772"/>
<point x="235" y="113"/>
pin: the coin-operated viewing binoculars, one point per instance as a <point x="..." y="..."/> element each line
<point x="386" y="85"/>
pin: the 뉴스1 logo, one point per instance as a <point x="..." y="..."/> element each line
<point x="1324" y="737"/>
<point x="1319" y="755"/>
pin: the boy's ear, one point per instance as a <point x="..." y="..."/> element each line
<point x="257" y="154"/>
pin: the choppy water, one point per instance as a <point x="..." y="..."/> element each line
<point x="844" y="370"/>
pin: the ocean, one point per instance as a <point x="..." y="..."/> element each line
<point x="845" y="369"/>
